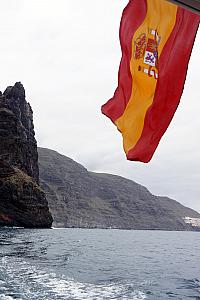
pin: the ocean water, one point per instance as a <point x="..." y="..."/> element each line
<point x="98" y="264"/>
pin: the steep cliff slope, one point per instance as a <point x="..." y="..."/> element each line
<point x="78" y="198"/>
<point x="22" y="201"/>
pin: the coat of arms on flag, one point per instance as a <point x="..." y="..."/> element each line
<point x="146" y="49"/>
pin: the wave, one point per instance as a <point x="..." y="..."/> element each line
<point x="24" y="281"/>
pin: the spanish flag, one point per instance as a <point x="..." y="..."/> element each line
<point x="156" y="40"/>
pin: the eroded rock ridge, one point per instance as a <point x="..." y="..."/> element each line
<point x="22" y="201"/>
<point x="79" y="198"/>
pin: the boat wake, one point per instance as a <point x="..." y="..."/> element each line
<point x="20" y="280"/>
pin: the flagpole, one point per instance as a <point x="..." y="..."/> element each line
<point x="193" y="5"/>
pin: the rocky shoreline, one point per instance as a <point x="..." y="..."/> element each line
<point x="65" y="190"/>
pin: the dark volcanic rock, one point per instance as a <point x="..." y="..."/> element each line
<point x="78" y="198"/>
<point x="18" y="145"/>
<point x="22" y="201"/>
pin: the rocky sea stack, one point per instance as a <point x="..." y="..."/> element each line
<point x="22" y="201"/>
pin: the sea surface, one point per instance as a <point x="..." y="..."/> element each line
<point x="98" y="264"/>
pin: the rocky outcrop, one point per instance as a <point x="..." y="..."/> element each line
<point x="78" y="198"/>
<point x="22" y="201"/>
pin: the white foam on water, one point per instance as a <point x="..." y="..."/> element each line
<point x="31" y="283"/>
<point x="84" y="291"/>
<point x="4" y="297"/>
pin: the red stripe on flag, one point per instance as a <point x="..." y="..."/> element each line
<point x="172" y="74"/>
<point x="132" y="17"/>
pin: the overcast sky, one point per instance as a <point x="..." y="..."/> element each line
<point x="66" y="53"/>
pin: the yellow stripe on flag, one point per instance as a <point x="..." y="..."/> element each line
<point x="158" y="25"/>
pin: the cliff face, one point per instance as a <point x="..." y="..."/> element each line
<point x="78" y="198"/>
<point x="22" y="201"/>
